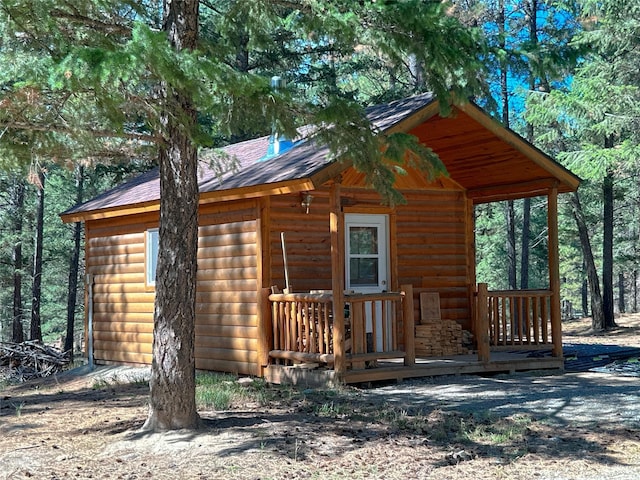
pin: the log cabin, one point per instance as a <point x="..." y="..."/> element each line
<point x="304" y="275"/>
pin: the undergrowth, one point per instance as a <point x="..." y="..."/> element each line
<point x="222" y="391"/>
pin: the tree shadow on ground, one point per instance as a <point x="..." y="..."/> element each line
<point x="502" y="417"/>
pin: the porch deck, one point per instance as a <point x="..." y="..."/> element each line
<point x="515" y="331"/>
<point x="394" y="369"/>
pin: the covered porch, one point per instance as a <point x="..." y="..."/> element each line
<point x="516" y="332"/>
<point x="360" y="337"/>
<point x="367" y="336"/>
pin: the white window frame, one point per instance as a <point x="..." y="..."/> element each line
<point x="152" y="240"/>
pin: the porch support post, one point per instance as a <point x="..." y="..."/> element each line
<point x="554" y="271"/>
<point x="265" y="330"/>
<point x="482" y="322"/>
<point x="336" y="219"/>
<point x="409" y="336"/>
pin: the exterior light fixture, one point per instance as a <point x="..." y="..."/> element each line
<point x="307" y="198"/>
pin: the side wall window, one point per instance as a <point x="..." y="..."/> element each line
<point x="151" y="259"/>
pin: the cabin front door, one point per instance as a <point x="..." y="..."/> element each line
<point x="366" y="268"/>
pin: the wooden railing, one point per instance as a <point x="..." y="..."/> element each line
<point x="302" y="327"/>
<point x="514" y="318"/>
<point x="375" y="325"/>
<point x="374" y="321"/>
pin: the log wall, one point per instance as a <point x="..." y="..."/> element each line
<point x="227" y="294"/>
<point x="122" y="303"/>
<point x="427" y="245"/>
<point x="307" y="239"/>
<point x="227" y="289"/>
<point x="432" y="252"/>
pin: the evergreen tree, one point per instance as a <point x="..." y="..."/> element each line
<point x="114" y="77"/>
<point x="597" y="120"/>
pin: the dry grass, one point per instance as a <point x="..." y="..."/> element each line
<point x="82" y="429"/>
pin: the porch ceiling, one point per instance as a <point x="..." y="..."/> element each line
<point x="489" y="161"/>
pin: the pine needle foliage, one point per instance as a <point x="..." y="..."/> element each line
<point x="84" y="75"/>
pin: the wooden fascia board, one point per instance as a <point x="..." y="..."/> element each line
<point x="512" y="191"/>
<point x="265" y="190"/>
<point x="279" y="188"/>
<point x="531" y="152"/>
<point x="146" y="207"/>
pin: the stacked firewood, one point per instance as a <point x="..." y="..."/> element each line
<point x="29" y="360"/>
<point x="441" y="338"/>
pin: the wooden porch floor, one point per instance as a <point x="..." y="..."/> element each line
<point x="503" y="361"/>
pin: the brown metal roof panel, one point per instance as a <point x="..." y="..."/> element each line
<point x="387" y="115"/>
<point x="141" y="189"/>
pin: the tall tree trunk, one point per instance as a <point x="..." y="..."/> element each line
<point x="504" y="99"/>
<point x="607" y="250"/>
<point x="585" y="297"/>
<point x="597" y="313"/>
<point x="504" y="85"/>
<point x="74" y="263"/>
<point x="172" y="385"/>
<point x="635" y="291"/>
<point x="510" y="217"/>
<point x="526" y="205"/>
<point x="622" y="308"/>
<point x="416" y="69"/>
<point x="17" y="211"/>
<point x="36" y="288"/>
<point x="524" y="247"/>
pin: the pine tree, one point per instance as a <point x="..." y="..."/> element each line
<point x="113" y="77"/>
<point x="597" y="120"/>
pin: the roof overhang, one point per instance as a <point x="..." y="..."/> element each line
<point x="489" y="161"/>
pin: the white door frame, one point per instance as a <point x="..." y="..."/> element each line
<point x="381" y="223"/>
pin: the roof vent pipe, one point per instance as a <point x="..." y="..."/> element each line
<point x="277" y="144"/>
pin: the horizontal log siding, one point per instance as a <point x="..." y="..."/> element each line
<point x="226" y="297"/>
<point x="430" y="235"/>
<point x="308" y="242"/>
<point x="122" y="304"/>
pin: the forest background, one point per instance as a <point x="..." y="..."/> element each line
<point x="565" y="75"/>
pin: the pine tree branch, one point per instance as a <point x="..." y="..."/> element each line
<point x="69" y="131"/>
<point x="90" y="22"/>
<point x="211" y="7"/>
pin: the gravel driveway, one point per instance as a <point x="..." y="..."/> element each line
<point x="578" y="399"/>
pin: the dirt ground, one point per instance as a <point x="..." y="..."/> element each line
<point x="82" y="427"/>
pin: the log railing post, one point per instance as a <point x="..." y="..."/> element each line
<point x="409" y="337"/>
<point x="482" y="322"/>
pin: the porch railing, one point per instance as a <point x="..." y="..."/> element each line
<point x="373" y="322"/>
<point x="514" y="318"/>
<point x="302" y="327"/>
<point x="375" y="327"/>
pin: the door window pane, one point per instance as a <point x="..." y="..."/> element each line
<point x="363" y="240"/>
<point x="363" y="271"/>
